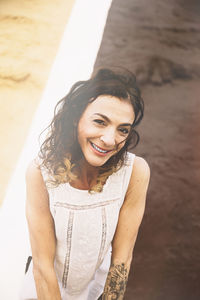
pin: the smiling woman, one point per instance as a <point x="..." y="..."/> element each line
<point x="107" y="134"/>
<point x="107" y="93"/>
<point x="86" y="193"/>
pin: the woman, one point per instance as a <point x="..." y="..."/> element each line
<point x="86" y="193"/>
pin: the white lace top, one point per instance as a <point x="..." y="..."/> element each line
<point x="85" y="225"/>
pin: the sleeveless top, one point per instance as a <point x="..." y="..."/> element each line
<point x="85" y="225"/>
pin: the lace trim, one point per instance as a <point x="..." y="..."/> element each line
<point x="103" y="237"/>
<point x="83" y="207"/>
<point x="68" y="251"/>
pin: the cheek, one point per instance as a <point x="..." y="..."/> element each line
<point x="86" y="129"/>
<point x="84" y="132"/>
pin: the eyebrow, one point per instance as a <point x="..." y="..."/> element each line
<point x="108" y="120"/>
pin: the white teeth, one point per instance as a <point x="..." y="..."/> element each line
<point x="100" y="150"/>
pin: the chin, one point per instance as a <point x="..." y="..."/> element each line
<point x="95" y="162"/>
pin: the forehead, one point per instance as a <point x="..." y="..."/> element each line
<point x="112" y="107"/>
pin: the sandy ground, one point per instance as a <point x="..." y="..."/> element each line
<point x="30" y="36"/>
<point x="160" y="42"/>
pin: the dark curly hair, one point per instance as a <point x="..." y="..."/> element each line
<point x="61" y="151"/>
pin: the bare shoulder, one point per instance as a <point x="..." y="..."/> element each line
<point x="34" y="174"/>
<point x="35" y="185"/>
<point x="139" y="180"/>
<point x="141" y="169"/>
<point x="33" y="169"/>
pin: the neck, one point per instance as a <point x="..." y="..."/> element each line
<point x="86" y="173"/>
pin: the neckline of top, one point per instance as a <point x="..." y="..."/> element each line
<point x="105" y="185"/>
<point x="86" y="191"/>
<point x="75" y="189"/>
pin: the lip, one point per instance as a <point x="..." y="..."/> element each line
<point x="100" y="153"/>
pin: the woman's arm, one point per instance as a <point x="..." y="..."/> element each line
<point x="42" y="235"/>
<point x="130" y="218"/>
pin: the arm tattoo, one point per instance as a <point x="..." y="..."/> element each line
<point x="116" y="282"/>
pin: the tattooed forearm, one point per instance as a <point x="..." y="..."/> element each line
<point x="116" y="282"/>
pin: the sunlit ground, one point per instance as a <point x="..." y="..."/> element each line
<point x="30" y="35"/>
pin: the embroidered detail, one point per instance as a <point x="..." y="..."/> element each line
<point x="103" y="236"/>
<point x="54" y="211"/>
<point x="68" y="242"/>
<point x="83" y="207"/>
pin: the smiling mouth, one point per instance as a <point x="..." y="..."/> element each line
<point x="99" y="149"/>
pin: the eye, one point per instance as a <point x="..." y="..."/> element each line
<point x="99" y="121"/>
<point x="124" y="131"/>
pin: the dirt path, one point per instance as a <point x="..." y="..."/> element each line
<point x="30" y="36"/>
<point x="160" y="42"/>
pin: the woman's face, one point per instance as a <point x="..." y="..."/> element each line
<point x="103" y="128"/>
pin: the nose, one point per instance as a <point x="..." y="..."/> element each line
<point x="108" y="138"/>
